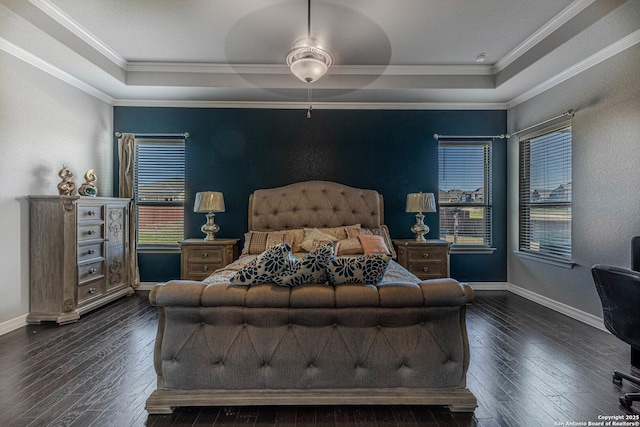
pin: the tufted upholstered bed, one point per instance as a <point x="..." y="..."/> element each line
<point x="402" y="341"/>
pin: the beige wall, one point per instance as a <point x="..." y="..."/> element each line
<point x="44" y="122"/>
<point x="606" y="177"/>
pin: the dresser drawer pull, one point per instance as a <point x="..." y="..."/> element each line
<point x="425" y="269"/>
<point x="205" y="254"/>
<point x="425" y="255"/>
<point x="91" y="251"/>
<point x="92" y="290"/>
<point x="91" y="213"/>
<point x="92" y="271"/>
<point x="91" y="232"/>
<point x="205" y="268"/>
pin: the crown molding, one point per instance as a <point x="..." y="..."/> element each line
<point x="598" y="57"/>
<point x="375" y="70"/>
<point x="52" y="70"/>
<point x="556" y="22"/>
<point x="67" y="22"/>
<point x="316" y="105"/>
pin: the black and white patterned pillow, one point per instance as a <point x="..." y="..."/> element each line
<point x="266" y="266"/>
<point x="368" y="269"/>
<point x="312" y="268"/>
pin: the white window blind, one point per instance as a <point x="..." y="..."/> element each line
<point x="545" y="194"/>
<point x="464" y="196"/>
<point x="159" y="181"/>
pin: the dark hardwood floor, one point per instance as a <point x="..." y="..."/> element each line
<point x="530" y="366"/>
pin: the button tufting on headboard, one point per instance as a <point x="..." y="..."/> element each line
<point x="324" y="204"/>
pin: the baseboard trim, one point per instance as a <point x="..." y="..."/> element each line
<point x="13" y="324"/>
<point x="574" y="313"/>
<point x="146" y="286"/>
<point x="565" y="309"/>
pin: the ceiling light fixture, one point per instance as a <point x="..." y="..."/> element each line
<point x="307" y="60"/>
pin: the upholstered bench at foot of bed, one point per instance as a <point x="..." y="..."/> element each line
<point x="400" y="343"/>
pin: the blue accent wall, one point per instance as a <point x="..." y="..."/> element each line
<point x="237" y="151"/>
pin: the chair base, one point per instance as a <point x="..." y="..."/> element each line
<point x="627" y="399"/>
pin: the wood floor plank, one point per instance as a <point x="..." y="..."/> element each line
<point x="530" y="366"/>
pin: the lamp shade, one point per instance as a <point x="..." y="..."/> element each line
<point x="421" y="202"/>
<point x="309" y="69"/>
<point x="209" y="201"/>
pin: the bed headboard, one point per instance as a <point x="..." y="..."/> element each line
<point x="314" y="204"/>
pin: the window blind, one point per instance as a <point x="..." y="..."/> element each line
<point x="464" y="169"/>
<point x="159" y="181"/>
<point x="545" y="194"/>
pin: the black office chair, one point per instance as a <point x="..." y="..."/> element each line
<point x="619" y="291"/>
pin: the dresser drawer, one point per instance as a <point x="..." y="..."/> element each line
<point x="90" y="251"/>
<point x="90" y="271"/>
<point x="91" y="291"/>
<point x="90" y="213"/>
<point x="90" y="232"/>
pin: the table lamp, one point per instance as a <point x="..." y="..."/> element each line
<point x="210" y="202"/>
<point x="420" y="202"/>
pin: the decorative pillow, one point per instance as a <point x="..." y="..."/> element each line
<point x="256" y="242"/>
<point x="266" y="266"/>
<point x="373" y="244"/>
<point x="338" y="233"/>
<point x="313" y="238"/>
<point x="381" y="230"/>
<point x="351" y="246"/>
<point x="312" y="268"/>
<point x="368" y="269"/>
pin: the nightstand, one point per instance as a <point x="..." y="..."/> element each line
<point x="202" y="257"/>
<point x="427" y="260"/>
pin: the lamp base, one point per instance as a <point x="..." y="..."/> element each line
<point x="419" y="228"/>
<point x="210" y="228"/>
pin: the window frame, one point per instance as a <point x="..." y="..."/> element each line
<point x="524" y="207"/>
<point x="487" y="203"/>
<point x="174" y="202"/>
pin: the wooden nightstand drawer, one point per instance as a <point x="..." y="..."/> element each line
<point x="428" y="270"/>
<point x="207" y="254"/>
<point x="427" y="260"/>
<point x="426" y="254"/>
<point x="200" y="258"/>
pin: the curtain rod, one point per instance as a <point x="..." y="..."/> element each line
<point x="566" y="113"/>
<point x="503" y="136"/>
<point x="166" y="135"/>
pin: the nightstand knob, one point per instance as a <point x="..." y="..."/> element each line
<point x="205" y="254"/>
<point x="91" y="213"/>
<point x="425" y="269"/>
<point x="205" y="268"/>
<point x="92" y="290"/>
<point x="91" y="232"/>
<point x="91" y="251"/>
<point x="425" y="255"/>
<point x="93" y="271"/>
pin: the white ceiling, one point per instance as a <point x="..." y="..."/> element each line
<point x="387" y="53"/>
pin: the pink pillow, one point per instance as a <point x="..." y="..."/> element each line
<point x="373" y="244"/>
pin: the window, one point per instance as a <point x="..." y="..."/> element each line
<point x="464" y="169"/>
<point x="159" y="181"/>
<point x="545" y="194"/>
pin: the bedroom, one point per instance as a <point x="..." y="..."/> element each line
<point x="47" y="120"/>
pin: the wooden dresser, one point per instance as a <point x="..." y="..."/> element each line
<point x="202" y="257"/>
<point x="427" y="260"/>
<point x="78" y="257"/>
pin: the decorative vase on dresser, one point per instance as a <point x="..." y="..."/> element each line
<point x="78" y="257"/>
